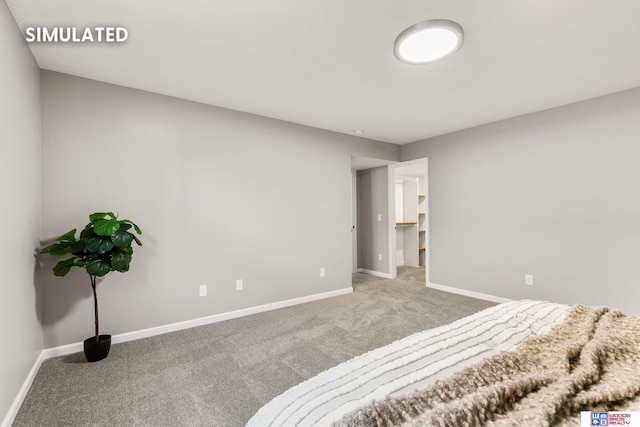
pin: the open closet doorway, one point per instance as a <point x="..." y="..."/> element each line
<point x="370" y="218"/>
<point x="409" y="227"/>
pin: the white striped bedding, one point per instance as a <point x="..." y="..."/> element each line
<point x="408" y="364"/>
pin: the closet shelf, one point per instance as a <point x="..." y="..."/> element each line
<point x="421" y="248"/>
<point x="421" y="213"/>
<point x="406" y="223"/>
<point x="422" y="231"/>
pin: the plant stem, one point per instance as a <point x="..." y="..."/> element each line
<point x="95" y="305"/>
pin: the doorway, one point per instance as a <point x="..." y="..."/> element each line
<point x="409" y="224"/>
<point x="370" y="221"/>
<point x="375" y="214"/>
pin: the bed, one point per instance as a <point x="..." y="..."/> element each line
<point x="518" y="363"/>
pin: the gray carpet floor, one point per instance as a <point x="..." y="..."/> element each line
<point x="221" y="374"/>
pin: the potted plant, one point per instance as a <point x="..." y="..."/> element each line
<point x="104" y="245"/>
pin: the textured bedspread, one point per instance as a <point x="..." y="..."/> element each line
<point x="591" y="361"/>
<point x="409" y="364"/>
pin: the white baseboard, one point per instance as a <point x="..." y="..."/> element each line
<point x="22" y="393"/>
<point x="374" y="273"/>
<point x="158" y="330"/>
<point x="144" y="333"/>
<point x="466" y="293"/>
<point x="63" y="350"/>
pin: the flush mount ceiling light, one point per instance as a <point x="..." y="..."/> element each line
<point x="428" y="41"/>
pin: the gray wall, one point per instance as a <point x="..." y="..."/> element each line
<point x="220" y="196"/>
<point x="20" y="187"/>
<point x="555" y="194"/>
<point x="373" y="235"/>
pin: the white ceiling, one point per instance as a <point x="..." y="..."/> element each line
<point x="330" y="63"/>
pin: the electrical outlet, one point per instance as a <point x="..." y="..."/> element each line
<point x="322" y="272"/>
<point x="239" y="285"/>
<point x="528" y="279"/>
<point x="203" y="290"/>
<point x="379" y="257"/>
<point x="379" y="217"/>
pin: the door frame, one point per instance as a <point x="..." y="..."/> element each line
<point x="354" y="223"/>
<point x="392" y="215"/>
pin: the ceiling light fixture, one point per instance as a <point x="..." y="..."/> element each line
<point x="428" y="41"/>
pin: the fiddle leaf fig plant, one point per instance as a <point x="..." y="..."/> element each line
<point x="104" y="245"/>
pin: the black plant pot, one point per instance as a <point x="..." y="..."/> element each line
<point x="95" y="351"/>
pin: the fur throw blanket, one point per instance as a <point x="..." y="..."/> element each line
<point x="591" y="361"/>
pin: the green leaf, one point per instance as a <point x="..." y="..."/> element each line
<point x="63" y="244"/>
<point x="135" y="227"/>
<point x="87" y="231"/>
<point x="98" y="215"/>
<point x="78" y="248"/>
<point x="122" y="239"/>
<point x="137" y="240"/>
<point x="99" y="244"/>
<point x="106" y="227"/>
<point x="63" y="267"/>
<point x="58" y="249"/>
<point x="98" y="267"/>
<point x="120" y="261"/>
<point x="104" y="245"/>
<point x="69" y="236"/>
<point x="101" y="215"/>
